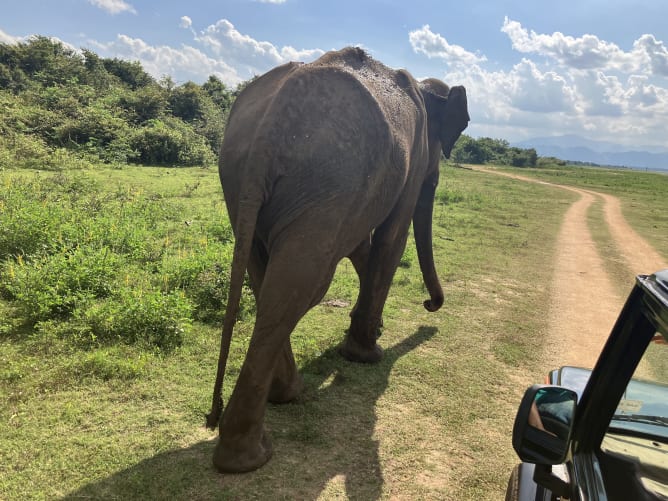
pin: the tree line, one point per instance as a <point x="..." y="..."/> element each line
<point x="65" y="104"/>
<point x="61" y="105"/>
<point x="486" y="150"/>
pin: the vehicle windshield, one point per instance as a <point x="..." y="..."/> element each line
<point x="643" y="410"/>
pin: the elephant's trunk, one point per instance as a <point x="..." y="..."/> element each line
<point x="422" y="221"/>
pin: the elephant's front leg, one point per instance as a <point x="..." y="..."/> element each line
<point x="360" y="259"/>
<point x="287" y="383"/>
<point x="385" y="253"/>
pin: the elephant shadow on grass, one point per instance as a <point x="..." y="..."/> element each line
<point x="324" y="443"/>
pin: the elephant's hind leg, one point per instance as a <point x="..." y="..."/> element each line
<point x="287" y="382"/>
<point x="292" y="283"/>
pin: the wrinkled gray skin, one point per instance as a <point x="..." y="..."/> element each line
<point x="320" y="162"/>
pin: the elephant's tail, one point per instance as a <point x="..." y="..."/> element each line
<point x="246" y="221"/>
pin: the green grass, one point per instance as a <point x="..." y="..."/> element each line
<point x="122" y="419"/>
<point x="643" y="201"/>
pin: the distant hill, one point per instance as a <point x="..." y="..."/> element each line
<point x="579" y="149"/>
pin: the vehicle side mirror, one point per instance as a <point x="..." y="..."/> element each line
<point x="543" y="424"/>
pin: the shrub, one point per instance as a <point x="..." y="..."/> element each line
<point x="150" y="318"/>
<point x="28" y="226"/>
<point x="204" y="278"/>
<point x="37" y="215"/>
<point x="52" y="286"/>
<point x="170" y="142"/>
<point x="23" y="151"/>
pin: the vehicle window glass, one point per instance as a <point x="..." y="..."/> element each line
<point x="638" y="432"/>
<point x="644" y="406"/>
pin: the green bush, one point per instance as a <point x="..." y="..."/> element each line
<point x="144" y="104"/>
<point x="91" y="125"/>
<point x="45" y="214"/>
<point x="52" y="286"/>
<point x="29" y="225"/>
<point x="204" y="278"/>
<point x="486" y="150"/>
<point x="53" y="97"/>
<point x="23" y="151"/>
<point x="149" y="318"/>
<point x="170" y="142"/>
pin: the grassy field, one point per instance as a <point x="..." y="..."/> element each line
<point x="93" y="405"/>
<point x="643" y="200"/>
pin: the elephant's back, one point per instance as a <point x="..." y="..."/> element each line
<point x="334" y="154"/>
<point x="336" y="132"/>
<point x="251" y="104"/>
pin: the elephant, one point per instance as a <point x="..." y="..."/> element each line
<point x="319" y="162"/>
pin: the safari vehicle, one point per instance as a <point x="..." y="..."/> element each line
<point x="602" y="434"/>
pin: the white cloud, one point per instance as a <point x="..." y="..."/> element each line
<point x="433" y="45"/>
<point x="182" y="64"/>
<point x="588" y="52"/>
<point x="540" y="92"/>
<point x="653" y="53"/>
<point x="9" y="39"/>
<point x="579" y="85"/>
<point x="272" y="1"/>
<point x="186" y="22"/>
<point x="113" y="6"/>
<point x="523" y="94"/>
<point x="246" y="53"/>
<point x="223" y="51"/>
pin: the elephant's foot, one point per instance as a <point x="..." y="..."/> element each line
<point x="283" y="391"/>
<point x="351" y="350"/>
<point x="241" y="458"/>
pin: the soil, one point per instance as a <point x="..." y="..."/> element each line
<point x="584" y="303"/>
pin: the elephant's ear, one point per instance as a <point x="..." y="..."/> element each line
<point x="457" y="103"/>
<point x="456" y="119"/>
<point x="434" y="86"/>
<point x="435" y="94"/>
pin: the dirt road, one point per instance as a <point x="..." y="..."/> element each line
<point x="584" y="303"/>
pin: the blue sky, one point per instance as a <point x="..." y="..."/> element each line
<point x="596" y="68"/>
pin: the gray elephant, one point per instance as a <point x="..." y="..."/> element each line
<point x="320" y="162"/>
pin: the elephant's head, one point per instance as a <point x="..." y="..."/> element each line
<point x="447" y="117"/>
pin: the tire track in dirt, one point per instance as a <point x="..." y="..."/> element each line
<point x="584" y="304"/>
<point x="640" y="257"/>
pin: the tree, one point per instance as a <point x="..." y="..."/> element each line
<point x="55" y="98"/>
<point x="219" y="93"/>
<point x="145" y="103"/>
<point x="488" y="150"/>
<point x="45" y="61"/>
<point x="130" y="73"/>
<point x="189" y="102"/>
<point x="468" y="151"/>
<point x="96" y="74"/>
